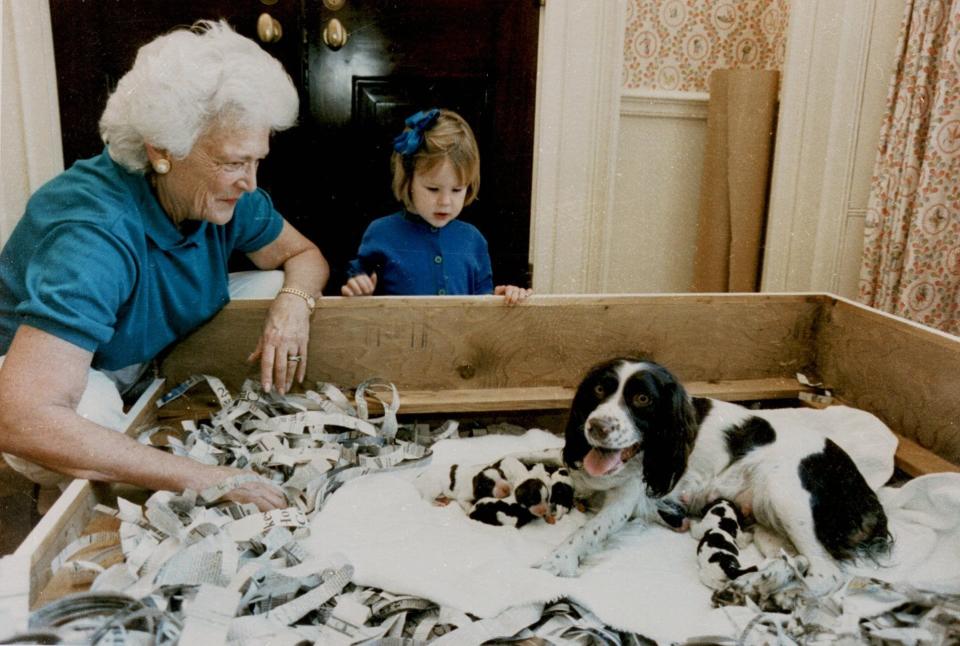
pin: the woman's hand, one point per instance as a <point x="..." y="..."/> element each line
<point x="287" y="328"/>
<point x="511" y="293"/>
<point x="282" y="347"/>
<point x="261" y="492"/>
<point x="360" y="285"/>
<point x="41" y="425"/>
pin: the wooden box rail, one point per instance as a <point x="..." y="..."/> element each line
<point x="480" y="400"/>
<point x="906" y="374"/>
<point x="465" y="356"/>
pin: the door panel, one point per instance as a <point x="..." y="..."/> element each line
<point x="330" y="175"/>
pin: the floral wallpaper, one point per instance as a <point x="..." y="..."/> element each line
<point x="911" y="259"/>
<point x="675" y="44"/>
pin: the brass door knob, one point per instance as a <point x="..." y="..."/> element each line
<point x="268" y="28"/>
<point x="334" y="34"/>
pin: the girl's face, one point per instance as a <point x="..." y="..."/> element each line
<point x="206" y="184"/>
<point x="438" y="194"/>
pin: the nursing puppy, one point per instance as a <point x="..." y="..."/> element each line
<point x="468" y="483"/>
<point x="721" y="536"/>
<point x="501" y="511"/>
<point x="533" y="491"/>
<point x="561" y="493"/>
<point x="645" y="447"/>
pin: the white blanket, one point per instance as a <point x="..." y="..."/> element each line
<point x="644" y="581"/>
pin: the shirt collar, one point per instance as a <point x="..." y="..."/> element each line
<point x="420" y="222"/>
<point x="157" y="225"/>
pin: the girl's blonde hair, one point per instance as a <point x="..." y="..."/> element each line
<point x="450" y="137"/>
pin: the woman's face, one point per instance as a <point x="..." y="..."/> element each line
<point x="206" y="184"/>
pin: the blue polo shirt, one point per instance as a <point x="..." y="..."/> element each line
<point x="97" y="262"/>
<point x="413" y="258"/>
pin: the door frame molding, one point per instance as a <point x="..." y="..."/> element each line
<point x="30" y="119"/>
<point x="821" y="120"/>
<point x="579" y="74"/>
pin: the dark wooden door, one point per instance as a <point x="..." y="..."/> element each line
<point x="330" y="175"/>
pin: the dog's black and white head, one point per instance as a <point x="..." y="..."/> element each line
<point x="561" y="493"/>
<point x="630" y="416"/>
<point x="533" y="492"/>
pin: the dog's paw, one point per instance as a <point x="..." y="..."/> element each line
<point x="562" y="562"/>
<point x="673" y="514"/>
<point x="822" y="577"/>
<point x="771" y="575"/>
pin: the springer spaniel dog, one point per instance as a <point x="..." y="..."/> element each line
<point x="650" y="451"/>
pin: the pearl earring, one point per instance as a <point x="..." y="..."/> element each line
<point x="161" y="166"/>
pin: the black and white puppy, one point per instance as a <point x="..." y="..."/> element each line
<point x="468" y="483"/>
<point x="721" y="536"/>
<point x="539" y="491"/>
<point x="561" y="493"/>
<point x="637" y="439"/>
<point x="533" y="491"/>
<point x="501" y="511"/>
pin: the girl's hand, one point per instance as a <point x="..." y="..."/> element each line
<point x="360" y="285"/>
<point x="282" y="347"/>
<point x="511" y="293"/>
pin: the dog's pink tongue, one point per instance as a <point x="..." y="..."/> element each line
<point x="598" y="463"/>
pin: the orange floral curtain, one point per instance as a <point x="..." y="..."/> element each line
<point x="911" y="260"/>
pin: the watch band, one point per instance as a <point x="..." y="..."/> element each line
<point x="311" y="301"/>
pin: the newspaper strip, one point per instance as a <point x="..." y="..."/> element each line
<point x="208" y="616"/>
<point x="15" y="592"/>
<point x="221" y="571"/>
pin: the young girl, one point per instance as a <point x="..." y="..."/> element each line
<point x="423" y="249"/>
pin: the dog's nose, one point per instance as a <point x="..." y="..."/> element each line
<point x="599" y="427"/>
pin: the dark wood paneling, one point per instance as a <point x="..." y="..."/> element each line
<point x="330" y="175"/>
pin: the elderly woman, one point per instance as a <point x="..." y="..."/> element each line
<point x="125" y="253"/>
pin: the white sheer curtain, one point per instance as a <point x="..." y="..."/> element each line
<point x="30" y="148"/>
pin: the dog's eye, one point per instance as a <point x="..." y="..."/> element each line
<point x="640" y="400"/>
<point x="598" y="390"/>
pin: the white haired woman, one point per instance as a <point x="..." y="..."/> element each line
<point x="125" y="253"/>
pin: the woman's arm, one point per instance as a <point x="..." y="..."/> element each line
<point x="41" y="382"/>
<point x="286" y="331"/>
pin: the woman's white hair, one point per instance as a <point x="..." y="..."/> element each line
<point x="184" y="82"/>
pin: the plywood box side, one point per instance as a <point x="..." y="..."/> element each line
<point x="452" y="343"/>
<point x="906" y="374"/>
<point x="72" y="512"/>
<point x="63" y="523"/>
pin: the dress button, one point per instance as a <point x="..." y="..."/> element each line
<point x="438" y="259"/>
<point x="434" y="229"/>
<point x="441" y="292"/>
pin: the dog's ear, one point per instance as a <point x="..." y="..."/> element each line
<point x="575" y="447"/>
<point x="668" y="444"/>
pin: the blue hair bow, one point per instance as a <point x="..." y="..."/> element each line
<point x="409" y="141"/>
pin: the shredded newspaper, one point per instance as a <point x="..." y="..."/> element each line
<point x="185" y="568"/>
<point x="781" y="610"/>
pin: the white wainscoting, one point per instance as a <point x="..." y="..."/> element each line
<point x="652" y="232"/>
